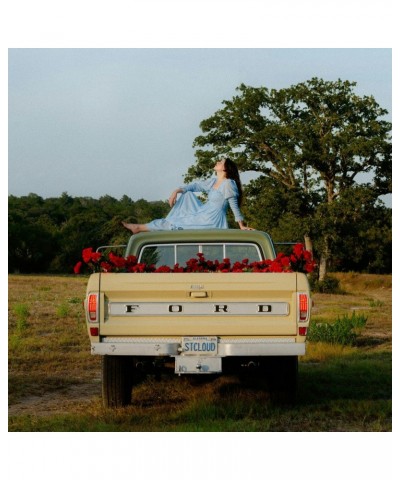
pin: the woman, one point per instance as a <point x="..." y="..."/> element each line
<point x="189" y="212"/>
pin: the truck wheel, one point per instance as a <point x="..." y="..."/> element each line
<point x="117" y="381"/>
<point x="283" y="376"/>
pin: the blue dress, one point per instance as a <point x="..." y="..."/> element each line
<point x="190" y="213"/>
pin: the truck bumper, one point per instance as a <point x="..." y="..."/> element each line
<point x="172" y="347"/>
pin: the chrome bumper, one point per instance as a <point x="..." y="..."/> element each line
<point x="172" y="347"/>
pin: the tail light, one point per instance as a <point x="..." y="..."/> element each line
<point x="94" y="331"/>
<point x="303" y="307"/>
<point x="303" y="331"/>
<point x="93" y="307"/>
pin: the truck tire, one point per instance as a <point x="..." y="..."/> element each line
<point x="283" y="378"/>
<point x="117" y="381"/>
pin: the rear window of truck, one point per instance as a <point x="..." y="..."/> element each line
<point x="172" y="254"/>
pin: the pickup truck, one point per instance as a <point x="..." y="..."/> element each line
<point x="197" y="323"/>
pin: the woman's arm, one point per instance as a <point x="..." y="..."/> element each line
<point x="243" y="226"/>
<point x="199" y="186"/>
<point x="233" y="203"/>
<point x="174" y="194"/>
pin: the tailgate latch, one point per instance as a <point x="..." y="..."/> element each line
<point x="199" y="294"/>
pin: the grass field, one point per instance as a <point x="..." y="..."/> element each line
<point x="55" y="385"/>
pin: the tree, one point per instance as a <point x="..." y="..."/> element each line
<point x="313" y="141"/>
<point x="31" y="236"/>
<point x="48" y="235"/>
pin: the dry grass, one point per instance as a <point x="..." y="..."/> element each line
<point x="48" y="348"/>
<point x="54" y="382"/>
<point x="367" y="294"/>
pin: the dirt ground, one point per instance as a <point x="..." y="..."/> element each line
<point x="57" y="402"/>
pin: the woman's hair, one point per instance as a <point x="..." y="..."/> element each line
<point x="231" y="171"/>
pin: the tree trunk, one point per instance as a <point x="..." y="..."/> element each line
<point x="325" y="257"/>
<point x="308" y="243"/>
<point x="322" y="267"/>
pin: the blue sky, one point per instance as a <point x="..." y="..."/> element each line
<point x="94" y="122"/>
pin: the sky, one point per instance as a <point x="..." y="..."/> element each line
<point x="121" y="121"/>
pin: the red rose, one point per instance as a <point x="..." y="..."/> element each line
<point x="87" y="254"/>
<point x="96" y="256"/>
<point x="178" y="269"/>
<point x="77" y="268"/>
<point x="310" y="266"/>
<point x="276" y="267"/>
<point x="116" y="260"/>
<point x="163" y="269"/>
<point x="285" y="261"/>
<point x="131" y="260"/>
<point x="298" y="249"/>
<point x="106" y="267"/>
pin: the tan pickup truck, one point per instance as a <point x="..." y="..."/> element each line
<point x="196" y="323"/>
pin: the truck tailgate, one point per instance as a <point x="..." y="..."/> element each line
<point x="196" y="303"/>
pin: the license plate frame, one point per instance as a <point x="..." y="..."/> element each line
<point x="200" y="346"/>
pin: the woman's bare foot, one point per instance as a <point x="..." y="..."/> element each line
<point x="133" y="227"/>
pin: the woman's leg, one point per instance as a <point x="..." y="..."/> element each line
<point x="135" y="227"/>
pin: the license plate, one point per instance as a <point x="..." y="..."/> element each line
<point x="199" y="346"/>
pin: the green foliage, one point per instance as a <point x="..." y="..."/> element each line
<point x="327" y="285"/>
<point x="75" y="300"/>
<point x="309" y="143"/>
<point x="343" y="331"/>
<point x="48" y="235"/>
<point x="62" y="310"/>
<point x="376" y="303"/>
<point x="21" y="311"/>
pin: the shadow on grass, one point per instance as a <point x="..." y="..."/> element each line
<point x="353" y="377"/>
<point x="348" y="393"/>
<point x="21" y="386"/>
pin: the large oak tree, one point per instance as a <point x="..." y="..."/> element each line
<point x="311" y="145"/>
